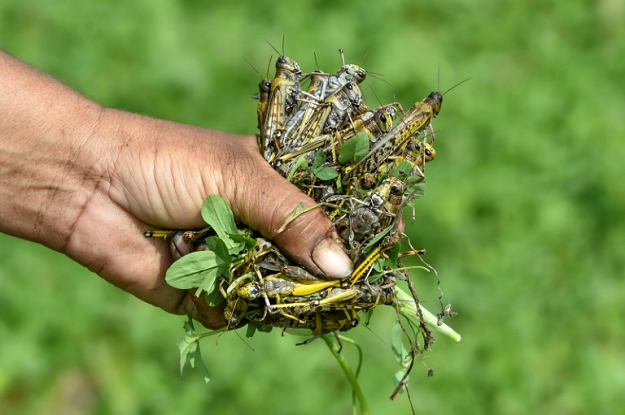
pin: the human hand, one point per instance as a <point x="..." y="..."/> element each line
<point x="161" y="175"/>
<point x="97" y="179"/>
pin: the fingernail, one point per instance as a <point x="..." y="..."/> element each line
<point x="331" y="259"/>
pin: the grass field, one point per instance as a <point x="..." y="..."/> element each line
<point x="524" y="214"/>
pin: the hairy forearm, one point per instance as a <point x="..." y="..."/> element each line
<point x="48" y="164"/>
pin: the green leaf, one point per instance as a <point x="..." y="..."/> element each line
<point x="393" y="256"/>
<point x="326" y="173"/>
<point x="354" y="149"/>
<point x="323" y="173"/>
<point x="378" y="268"/>
<point x="403" y="170"/>
<point x="320" y="158"/>
<point x="197" y="269"/>
<point x="214" y="297"/>
<point x="300" y="164"/>
<point x="377" y="238"/>
<point x="197" y="363"/>
<point x="415" y="185"/>
<point x="248" y="243"/>
<point x="190" y="350"/>
<point x="217" y="213"/>
<point x="251" y="329"/>
<point x="265" y="329"/>
<point x="366" y="317"/>
<point x="401" y="354"/>
<point x="218" y="246"/>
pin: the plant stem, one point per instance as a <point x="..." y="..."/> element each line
<point x="334" y="349"/>
<point x="408" y="309"/>
<point x="210" y="333"/>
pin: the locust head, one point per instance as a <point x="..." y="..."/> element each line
<point x="435" y="100"/>
<point x="355" y="71"/>
<point x="264" y="86"/>
<point x="384" y="119"/>
<point x="429" y="153"/>
<point x="286" y="64"/>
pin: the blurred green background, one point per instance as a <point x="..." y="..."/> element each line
<point x="523" y="216"/>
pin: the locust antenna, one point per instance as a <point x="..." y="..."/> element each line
<point x="378" y="76"/>
<point x="461" y="82"/>
<point x="342" y="56"/>
<point x="363" y="58"/>
<point x="438" y="87"/>
<point x="316" y="61"/>
<point x="269" y="65"/>
<point x="374" y="93"/>
<point x="253" y="67"/>
<point x="272" y="46"/>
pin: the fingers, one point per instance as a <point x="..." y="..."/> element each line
<point x="264" y="200"/>
<point x="210" y="317"/>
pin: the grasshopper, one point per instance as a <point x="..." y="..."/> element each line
<point x="416" y="120"/>
<point x="347" y="73"/>
<point x="282" y="101"/>
<point x="328" y="115"/>
<point x="278" y="285"/>
<point x="362" y="224"/>
<point x="374" y="123"/>
<point x="322" y="86"/>
<point x="264" y="88"/>
<point x="315" y="92"/>
<point x="396" y="189"/>
<point x="417" y="153"/>
<point x="333" y="110"/>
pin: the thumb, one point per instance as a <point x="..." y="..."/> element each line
<point x="264" y="200"/>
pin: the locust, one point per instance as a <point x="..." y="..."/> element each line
<point x="416" y="120"/>
<point x="282" y="102"/>
<point x="374" y="123"/>
<point x="333" y="110"/>
<point x="264" y="88"/>
<point x="417" y="153"/>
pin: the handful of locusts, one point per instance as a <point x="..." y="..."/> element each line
<point x="362" y="171"/>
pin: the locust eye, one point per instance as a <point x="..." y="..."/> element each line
<point x="397" y="189"/>
<point x="281" y="59"/>
<point x="349" y="86"/>
<point x="428" y="152"/>
<point x="383" y="118"/>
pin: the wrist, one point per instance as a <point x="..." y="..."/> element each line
<point x="48" y="167"/>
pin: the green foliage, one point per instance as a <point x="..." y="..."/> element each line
<point x="198" y="269"/>
<point x="522" y="219"/>
<point x="323" y="173"/>
<point x="202" y="269"/>
<point x="190" y="350"/>
<point x="354" y="149"/>
<point x="218" y="215"/>
<point x="300" y="164"/>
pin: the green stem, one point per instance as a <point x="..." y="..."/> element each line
<point x="358" y="367"/>
<point x="334" y="349"/>
<point x="299" y="211"/>
<point x="210" y="333"/>
<point x="408" y="309"/>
